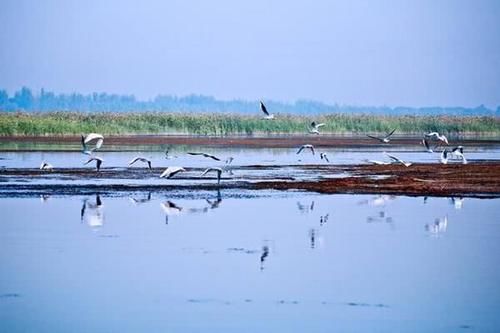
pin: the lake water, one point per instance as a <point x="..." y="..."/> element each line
<point x="248" y="261"/>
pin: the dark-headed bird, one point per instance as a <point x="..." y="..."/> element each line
<point x="311" y="147"/>
<point x="140" y="159"/>
<point x="384" y="139"/>
<point x="217" y="170"/>
<point x="205" y="155"/>
<point x="267" y="115"/>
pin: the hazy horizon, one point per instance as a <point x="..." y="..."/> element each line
<point x="382" y="53"/>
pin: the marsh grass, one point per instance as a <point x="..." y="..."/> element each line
<point x="74" y="123"/>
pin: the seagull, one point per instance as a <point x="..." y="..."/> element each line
<point x="436" y="136"/>
<point x="98" y="162"/>
<point x="141" y="159"/>
<point x="267" y="116"/>
<point x="91" y="137"/>
<point x="206" y="155"/>
<point x="46" y="166"/>
<point x="229" y="160"/>
<point x="384" y="139"/>
<point x="444" y="157"/>
<point x="315" y="127"/>
<point x="459" y="153"/>
<point x="397" y="159"/>
<point x="171" y="171"/>
<point x="306" y="147"/>
<point x="324" y="157"/>
<point x="218" y="170"/>
<point x="426" y="145"/>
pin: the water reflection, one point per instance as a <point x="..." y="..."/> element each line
<point x="263" y="256"/>
<point x="92" y="213"/>
<point x="379" y="200"/>
<point x="304" y="208"/>
<point x="438" y="227"/>
<point x="323" y="219"/>
<point x="172" y="209"/>
<point x="140" y="200"/>
<point x="458" y="203"/>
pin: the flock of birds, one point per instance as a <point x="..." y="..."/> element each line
<point x="97" y="141"/>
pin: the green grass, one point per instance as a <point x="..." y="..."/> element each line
<point x="73" y="123"/>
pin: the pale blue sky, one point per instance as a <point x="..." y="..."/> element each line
<point x="384" y="52"/>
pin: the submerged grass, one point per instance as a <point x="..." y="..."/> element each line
<point x="74" y="123"/>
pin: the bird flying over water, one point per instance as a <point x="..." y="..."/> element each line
<point x="89" y="138"/>
<point x="437" y="136"/>
<point x="171" y="171"/>
<point x="140" y="159"/>
<point x="384" y="139"/>
<point x="398" y="160"/>
<point x="46" y="166"/>
<point x="426" y="145"/>
<point x="459" y="153"/>
<point x="217" y="170"/>
<point x="324" y="157"/>
<point x="98" y="162"/>
<point x="268" y="115"/>
<point x="315" y="127"/>
<point x="205" y="155"/>
<point x="311" y="147"/>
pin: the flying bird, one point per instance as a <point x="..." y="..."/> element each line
<point x="315" y="127"/>
<point x="217" y="170"/>
<point x="377" y="162"/>
<point x="205" y="155"/>
<point x="268" y="115"/>
<point x="398" y="160"/>
<point x="171" y="171"/>
<point x="437" y="136"/>
<point x="140" y="159"/>
<point x="311" y="147"/>
<point x="229" y="160"/>
<point x="89" y="138"/>
<point x="98" y="162"/>
<point x="46" y="166"/>
<point x="324" y="157"/>
<point x="384" y="139"/>
<point x="459" y="153"/>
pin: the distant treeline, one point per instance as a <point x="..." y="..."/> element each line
<point x="26" y="100"/>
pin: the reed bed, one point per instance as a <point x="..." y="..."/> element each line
<point x="74" y="123"/>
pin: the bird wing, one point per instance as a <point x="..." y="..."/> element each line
<point x="134" y="160"/>
<point x="206" y="171"/>
<point x="373" y="137"/>
<point x="432" y="134"/>
<point x="326" y="158"/>
<point x="319" y="125"/>
<point x="388" y="135"/>
<point x="394" y="158"/>
<point x="93" y="136"/>
<point x="300" y="149"/>
<point x="190" y="153"/>
<point x="426" y="144"/>
<point x="98" y="144"/>
<point x="263" y="108"/>
<point x="212" y="157"/>
<point x="312" y="149"/>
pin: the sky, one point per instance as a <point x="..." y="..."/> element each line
<point x="381" y="52"/>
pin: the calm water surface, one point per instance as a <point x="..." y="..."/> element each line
<point x="249" y="262"/>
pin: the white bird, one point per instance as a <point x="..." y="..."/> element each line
<point x="398" y="160"/>
<point x="315" y="127"/>
<point x="217" y="170"/>
<point x="91" y="137"/>
<point x="141" y="159"/>
<point x="459" y="153"/>
<point x="324" y="157"/>
<point x="437" y="136"/>
<point x="444" y="157"/>
<point x="268" y="116"/>
<point x="205" y="155"/>
<point x="426" y="145"/>
<point x="46" y="166"/>
<point x="311" y="147"/>
<point x="98" y="162"/>
<point x="384" y="139"/>
<point x="171" y="171"/>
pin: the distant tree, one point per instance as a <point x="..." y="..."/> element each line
<point x="23" y="98"/>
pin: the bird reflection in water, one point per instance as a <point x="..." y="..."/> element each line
<point x="438" y="227"/>
<point x="263" y="256"/>
<point x="172" y="209"/>
<point x="323" y="219"/>
<point x="379" y="200"/>
<point x="458" y="203"/>
<point x="303" y="208"/>
<point x="139" y="200"/>
<point x="44" y="198"/>
<point x="92" y="213"/>
<point x="215" y="203"/>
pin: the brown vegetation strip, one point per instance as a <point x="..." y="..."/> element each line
<point x="419" y="179"/>
<point x="287" y="141"/>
